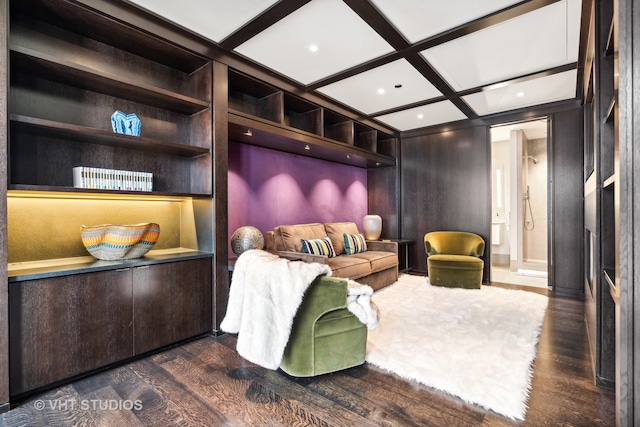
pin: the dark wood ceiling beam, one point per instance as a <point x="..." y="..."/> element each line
<point x="526" y="77"/>
<point x="261" y="22"/>
<point x="482" y="23"/>
<point x="424" y="68"/>
<point x="457" y="95"/>
<point x="350" y="72"/>
<point x="374" y="18"/>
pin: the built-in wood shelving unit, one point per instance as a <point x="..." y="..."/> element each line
<point x="601" y="205"/>
<point x="286" y="122"/>
<point x="70" y="68"/>
<point x="65" y="85"/>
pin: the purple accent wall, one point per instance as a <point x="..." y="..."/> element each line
<point x="268" y="188"/>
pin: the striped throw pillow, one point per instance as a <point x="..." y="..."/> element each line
<point x="318" y="247"/>
<point x="354" y="244"/>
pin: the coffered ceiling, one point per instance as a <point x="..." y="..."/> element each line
<point x="404" y="63"/>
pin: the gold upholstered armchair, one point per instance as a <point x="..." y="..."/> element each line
<point x="454" y="259"/>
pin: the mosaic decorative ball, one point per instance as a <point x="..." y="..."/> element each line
<point x="245" y="238"/>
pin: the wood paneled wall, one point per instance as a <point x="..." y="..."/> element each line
<point x="445" y="185"/>
<point x="220" y="185"/>
<point x="383" y="199"/>
<point x="4" y="291"/>
<point x="567" y="209"/>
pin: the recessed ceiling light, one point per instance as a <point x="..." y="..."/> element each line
<point x="421" y="116"/>
<point x="520" y="94"/>
<point x="248" y="132"/>
<point x="381" y="91"/>
<point x="313" y="48"/>
<point x="307" y="147"/>
<point x="348" y="156"/>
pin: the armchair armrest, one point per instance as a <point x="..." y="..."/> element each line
<point x="377" y="245"/>
<point x="324" y="295"/>
<point x="299" y="256"/>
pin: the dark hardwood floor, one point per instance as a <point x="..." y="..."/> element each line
<point x="206" y="383"/>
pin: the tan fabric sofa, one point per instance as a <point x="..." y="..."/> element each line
<point x="377" y="267"/>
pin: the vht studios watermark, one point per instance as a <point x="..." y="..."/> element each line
<point x="87" y="404"/>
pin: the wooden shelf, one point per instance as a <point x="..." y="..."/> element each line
<point x="338" y="128"/>
<point x="609" y="46"/>
<point x="69" y="73"/>
<point x="88" y="22"/>
<point x="295" y="141"/>
<point x="611" y="110"/>
<point x="611" y="180"/>
<point x="609" y="276"/>
<point x="255" y="98"/>
<point x="97" y="136"/>
<point x="302" y="115"/>
<point x="35" y="270"/>
<point x="79" y="192"/>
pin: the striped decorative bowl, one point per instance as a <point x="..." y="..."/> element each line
<point x="112" y="242"/>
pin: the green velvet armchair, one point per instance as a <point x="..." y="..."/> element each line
<point x="453" y="259"/>
<point x="325" y="336"/>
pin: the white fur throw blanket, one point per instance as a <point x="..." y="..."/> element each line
<point x="359" y="303"/>
<point x="265" y="294"/>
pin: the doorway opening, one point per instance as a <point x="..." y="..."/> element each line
<point x="519" y="203"/>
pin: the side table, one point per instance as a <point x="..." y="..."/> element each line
<point x="403" y="249"/>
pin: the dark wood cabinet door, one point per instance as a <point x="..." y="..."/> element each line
<point x="171" y="302"/>
<point x="64" y="326"/>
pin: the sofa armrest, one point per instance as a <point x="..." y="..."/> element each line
<point x="269" y="241"/>
<point x="377" y="245"/>
<point x="299" y="256"/>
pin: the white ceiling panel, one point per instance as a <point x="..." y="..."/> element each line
<point x="532" y="42"/>
<point x="421" y="19"/>
<point x="377" y="89"/>
<point x="213" y="19"/>
<point x="427" y="115"/>
<point x="574" y="14"/>
<point x="341" y="38"/>
<point x="547" y="89"/>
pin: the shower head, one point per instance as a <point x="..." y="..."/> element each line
<point x="533" y="159"/>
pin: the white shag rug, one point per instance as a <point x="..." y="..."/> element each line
<point x="477" y="344"/>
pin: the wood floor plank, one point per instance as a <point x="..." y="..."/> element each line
<point x="168" y="396"/>
<point x="275" y="394"/>
<point x="388" y="400"/>
<point x="205" y="382"/>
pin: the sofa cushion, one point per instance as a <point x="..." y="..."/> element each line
<point x="287" y="237"/>
<point x="378" y="260"/>
<point x="354" y="243"/>
<point x="460" y="262"/>
<point x="318" y="247"/>
<point x="349" y="267"/>
<point x="336" y="232"/>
